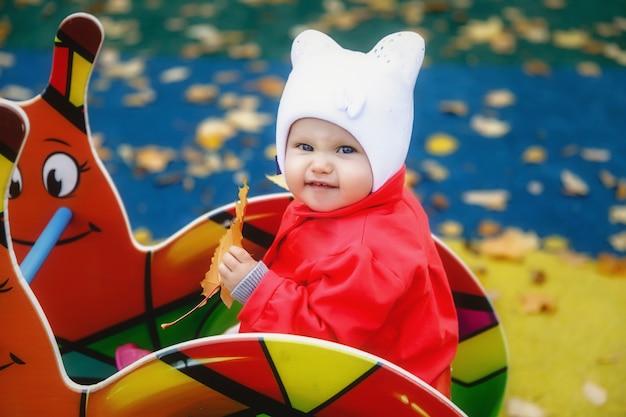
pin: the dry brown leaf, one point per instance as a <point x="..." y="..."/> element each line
<point x="500" y="98"/>
<point x="489" y="228"/>
<point x="589" y="69"/>
<point x="595" y="154"/>
<point x="573" y="185"/>
<point x="572" y="258"/>
<point x="139" y="99"/>
<point x="611" y="358"/>
<point x="489" y="127"/>
<point x="482" y="31"/>
<point x="607" y="179"/>
<point x="278" y="179"/>
<point x="211" y="133"/>
<point x="570" y="39"/>
<point x="174" y="74"/>
<point x="538" y="276"/>
<point x="617" y="214"/>
<point x="211" y="284"/>
<point x="271" y="86"/>
<point x="620" y="190"/>
<point x="535" y="155"/>
<point x="201" y="93"/>
<point x="490" y="199"/>
<point x="537" y="67"/>
<point x="455" y="107"/>
<point x="512" y="244"/>
<point x="154" y="158"/>
<point x="555" y="243"/>
<point x="434" y="170"/>
<point x="611" y="265"/>
<point x="451" y="228"/>
<point x="411" y="178"/>
<point x="534" y="303"/>
<point x="233" y="237"/>
<point x="248" y="120"/>
<point x="440" y="201"/>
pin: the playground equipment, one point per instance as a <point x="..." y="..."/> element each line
<point x="93" y="288"/>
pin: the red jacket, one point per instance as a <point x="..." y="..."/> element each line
<point x="367" y="276"/>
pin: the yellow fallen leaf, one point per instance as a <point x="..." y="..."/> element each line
<point x="211" y="284"/>
<point x="533" y="303"/>
<point x="233" y="237"/>
<point x="512" y="244"/>
<point x="278" y="179"/>
<point x="441" y="144"/>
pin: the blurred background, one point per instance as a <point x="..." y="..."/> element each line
<point x="519" y="127"/>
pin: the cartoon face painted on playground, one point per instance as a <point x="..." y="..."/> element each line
<point x="95" y="269"/>
<point x="62" y="180"/>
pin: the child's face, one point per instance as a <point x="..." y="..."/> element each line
<point x="325" y="166"/>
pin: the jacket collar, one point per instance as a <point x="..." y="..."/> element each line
<point x="390" y="192"/>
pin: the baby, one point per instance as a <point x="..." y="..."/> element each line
<point x="353" y="260"/>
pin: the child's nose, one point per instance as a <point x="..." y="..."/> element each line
<point x="321" y="164"/>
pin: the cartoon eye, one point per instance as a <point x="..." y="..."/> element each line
<point x="15" y="188"/>
<point x="5" y="286"/>
<point x="60" y="174"/>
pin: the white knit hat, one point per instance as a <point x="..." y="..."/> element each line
<point x="368" y="94"/>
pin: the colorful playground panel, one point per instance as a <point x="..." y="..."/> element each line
<point x="132" y="289"/>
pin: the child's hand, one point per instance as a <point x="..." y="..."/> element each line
<point x="236" y="264"/>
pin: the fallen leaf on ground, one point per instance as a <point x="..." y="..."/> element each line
<point x="154" y="158"/>
<point x="620" y="190"/>
<point x="512" y="244"/>
<point x="595" y="154"/>
<point x="489" y="199"/>
<point x="538" y="276"/>
<point x="617" y="214"/>
<point x="489" y="127"/>
<point x="278" y="179"/>
<point x="618" y="241"/>
<point x="611" y="358"/>
<point x="434" y="170"/>
<point x="441" y="144"/>
<point x="451" y="228"/>
<point x="535" y="155"/>
<point x="201" y="93"/>
<point x="611" y="265"/>
<point x="489" y="228"/>
<point x="516" y="407"/>
<point x="533" y="303"/>
<point x="500" y="98"/>
<point x="607" y="179"/>
<point x="537" y="67"/>
<point x="454" y="107"/>
<point x="594" y="393"/>
<point x="573" y="185"/>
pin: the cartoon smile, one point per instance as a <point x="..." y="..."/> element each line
<point x="92" y="228"/>
<point x="14" y="361"/>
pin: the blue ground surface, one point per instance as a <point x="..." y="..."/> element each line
<point x="554" y="111"/>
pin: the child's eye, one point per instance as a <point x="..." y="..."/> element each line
<point x="305" y="147"/>
<point x="346" y="149"/>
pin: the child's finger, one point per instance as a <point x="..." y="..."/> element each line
<point x="238" y="253"/>
<point x="229" y="260"/>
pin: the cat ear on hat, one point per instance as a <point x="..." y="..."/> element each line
<point x="312" y="43"/>
<point x="403" y="52"/>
